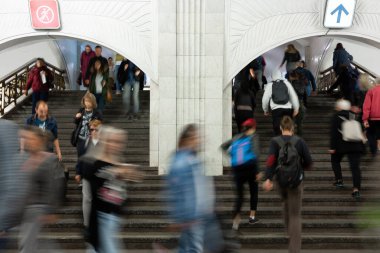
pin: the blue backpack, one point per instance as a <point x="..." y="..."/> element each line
<point x="242" y="151"/>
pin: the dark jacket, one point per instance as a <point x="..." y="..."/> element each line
<point x="245" y="99"/>
<point x="85" y="59"/>
<point x="92" y="86"/>
<point x="35" y="81"/>
<point x="341" y="58"/>
<point x="336" y="139"/>
<point x="308" y="75"/>
<point x="291" y="57"/>
<point x="128" y="75"/>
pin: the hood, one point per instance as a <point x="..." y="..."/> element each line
<point x="276" y="75"/>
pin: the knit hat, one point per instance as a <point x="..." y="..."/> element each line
<point x="249" y="123"/>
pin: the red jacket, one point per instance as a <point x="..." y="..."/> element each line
<point x="371" y="107"/>
<point x="84" y="62"/>
<point x="35" y="81"/>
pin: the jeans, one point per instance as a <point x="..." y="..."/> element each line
<point x="128" y="86"/>
<point x="100" y="101"/>
<point x="37" y="96"/>
<point x="108" y="227"/>
<point x="242" y="174"/>
<point x="292" y="199"/>
<point x="203" y="234"/>
<point x="277" y="115"/>
<point x="118" y="85"/>
<point x="30" y="228"/>
<point x="86" y="202"/>
<point x="354" y="160"/>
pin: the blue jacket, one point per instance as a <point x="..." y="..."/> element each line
<point x="50" y="125"/>
<point x="190" y="195"/>
<point x="341" y="57"/>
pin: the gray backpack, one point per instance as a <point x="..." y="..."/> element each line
<point x="280" y="93"/>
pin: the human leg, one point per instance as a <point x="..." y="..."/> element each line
<point x="30" y="229"/>
<point x="136" y="100"/>
<point x="108" y="229"/>
<point x="35" y="99"/>
<point x="192" y="238"/>
<point x="335" y="164"/>
<point x="86" y="202"/>
<point x="127" y="97"/>
<point x="354" y="160"/>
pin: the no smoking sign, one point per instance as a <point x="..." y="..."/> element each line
<point x="44" y="14"/>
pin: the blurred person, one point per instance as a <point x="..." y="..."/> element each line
<point x="103" y="169"/>
<point x="85" y="59"/>
<point x="256" y="70"/>
<point x="244" y="104"/>
<point x="111" y="73"/>
<point x="91" y="65"/>
<point x="245" y="151"/>
<point x="40" y="79"/>
<point x="291" y="57"/>
<point x="129" y="76"/>
<point x="44" y="121"/>
<point x="9" y="145"/>
<point x="371" y="117"/>
<point x="99" y="85"/>
<point x="91" y="142"/>
<point x="339" y="147"/>
<point x="191" y="197"/>
<point x="41" y="193"/>
<point x="243" y="75"/>
<point x="341" y="60"/>
<point x="291" y="195"/>
<point x="280" y="96"/>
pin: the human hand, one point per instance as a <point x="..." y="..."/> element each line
<point x="259" y="176"/>
<point x="78" y="115"/>
<point x="49" y="218"/>
<point x="25" y="92"/>
<point x="332" y="151"/>
<point x="59" y="156"/>
<point x="137" y="72"/>
<point x="268" y="185"/>
<point x="86" y="82"/>
<point x="295" y="113"/>
<point x="78" y="178"/>
<point x="366" y="124"/>
<point x="266" y="113"/>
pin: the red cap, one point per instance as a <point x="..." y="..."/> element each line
<point x="249" y="123"/>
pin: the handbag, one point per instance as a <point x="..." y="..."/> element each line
<point x="75" y="134"/>
<point x="109" y="96"/>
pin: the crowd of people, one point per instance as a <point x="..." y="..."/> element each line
<point x="34" y="176"/>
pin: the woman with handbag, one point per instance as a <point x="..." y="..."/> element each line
<point x="86" y="113"/>
<point x="103" y="168"/>
<point x="99" y="84"/>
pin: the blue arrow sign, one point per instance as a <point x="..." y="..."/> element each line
<point x="340" y="9"/>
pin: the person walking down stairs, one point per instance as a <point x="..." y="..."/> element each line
<point x="245" y="151"/>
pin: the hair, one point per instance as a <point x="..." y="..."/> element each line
<point x="98" y="47"/>
<point x="101" y="66"/>
<point x="42" y="60"/>
<point x="88" y="45"/>
<point x="287" y="124"/>
<point x="91" y="98"/>
<point x="291" y="49"/>
<point x="342" y="104"/>
<point x="339" y="46"/>
<point x="187" y="132"/>
<point x="110" y="58"/>
<point x="41" y="102"/>
<point x="44" y="136"/>
<point x="365" y="82"/>
<point x="95" y="123"/>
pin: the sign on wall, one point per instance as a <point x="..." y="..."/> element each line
<point x="44" y="14"/>
<point x="339" y="13"/>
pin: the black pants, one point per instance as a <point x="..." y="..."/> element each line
<point x="81" y="149"/>
<point x="242" y="174"/>
<point x="241" y="116"/>
<point x="277" y="115"/>
<point x="37" y="96"/>
<point x="354" y="160"/>
<point x="373" y="134"/>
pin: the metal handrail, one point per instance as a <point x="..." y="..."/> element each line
<point x="327" y="77"/>
<point x="13" y="84"/>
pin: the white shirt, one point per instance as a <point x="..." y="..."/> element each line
<point x="267" y="98"/>
<point x="98" y="83"/>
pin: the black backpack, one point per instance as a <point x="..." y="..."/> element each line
<point x="280" y="94"/>
<point x="299" y="86"/>
<point x="289" y="169"/>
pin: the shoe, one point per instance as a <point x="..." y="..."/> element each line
<point x="136" y="116"/>
<point x="356" y="195"/>
<point x="339" y="184"/>
<point x="253" y="220"/>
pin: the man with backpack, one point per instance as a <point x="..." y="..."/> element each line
<point x="245" y="150"/>
<point x="280" y="96"/>
<point x="288" y="157"/>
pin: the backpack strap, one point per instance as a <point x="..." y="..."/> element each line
<point x="343" y="118"/>
<point x="279" y="141"/>
<point x="294" y="140"/>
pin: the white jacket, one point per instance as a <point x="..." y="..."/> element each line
<point x="267" y="98"/>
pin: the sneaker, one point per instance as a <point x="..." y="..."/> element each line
<point x="356" y="195"/>
<point x="338" y="184"/>
<point x="253" y="220"/>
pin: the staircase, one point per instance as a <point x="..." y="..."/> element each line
<point x="330" y="221"/>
